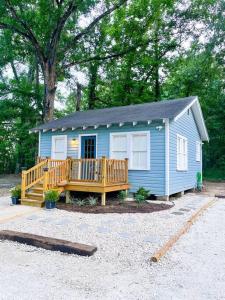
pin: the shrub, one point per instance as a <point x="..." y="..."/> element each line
<point x="80" y="202"/>
<point x="143" y="192"/>
<point x="92" y="201"/>
<point x="52" y="196"/>
<point x="122" y="196"/>
<point x="139" y="199"/>
<point x="16" y="191"/>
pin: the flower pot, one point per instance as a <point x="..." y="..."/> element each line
<point x="50" y="204"/>
<point x="15" y="200"/>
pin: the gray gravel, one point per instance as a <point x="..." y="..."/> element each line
<point x="121" y="268"/>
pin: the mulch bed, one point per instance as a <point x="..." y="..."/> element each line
<point x="115" y="207"/>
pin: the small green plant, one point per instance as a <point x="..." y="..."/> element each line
<point x="143" y="192"/>
<point x="16" y="192"/>
<point x="139" y="199"/>
<point x="122" y="196"/>
<point x="80" y="202"/>
<point x="52" y="196"/>
<point x="199" y="181"/>
<point x="92" y="201"/>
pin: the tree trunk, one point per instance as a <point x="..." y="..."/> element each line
<point x="78" y="96"/>
<point x="93" y="70"/>
<point x="50" y="90"/>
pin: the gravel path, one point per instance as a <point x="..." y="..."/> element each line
<point x="120" y="268"/>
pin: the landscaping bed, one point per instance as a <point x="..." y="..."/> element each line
<point x="113" y="206"/>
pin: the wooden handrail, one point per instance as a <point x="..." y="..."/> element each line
<point x="55" y="175"/>
<point x="32" y="176"/>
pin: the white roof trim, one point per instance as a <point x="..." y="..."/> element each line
<point x="185" y="109"/>
<point x="197" y="111"/>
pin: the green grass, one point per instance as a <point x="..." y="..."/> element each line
<point x="214" y="174"/>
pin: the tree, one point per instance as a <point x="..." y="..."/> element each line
<point x="51" y="29"/>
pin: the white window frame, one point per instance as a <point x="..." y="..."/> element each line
<point x="53" y="144"/>
<point x="198" y="149"/>
<point x="129" y="147"/>
<point x="183" y="165"/>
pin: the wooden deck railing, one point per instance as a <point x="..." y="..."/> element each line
<point x="51" y="172"/>
<point x="32" y="176"/>
<point x="55" y="175"/>
<point x="101" y="170"/>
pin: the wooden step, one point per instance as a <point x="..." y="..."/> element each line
<point x="37" y="190"/>
<point x="34" y="196"/>
<point x="31" y="202"/>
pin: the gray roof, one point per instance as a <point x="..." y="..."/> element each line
<point x="121" y="114"/>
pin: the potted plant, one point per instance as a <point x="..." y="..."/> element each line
<point x="16" y="194"/>
<point x="51" y="197"/>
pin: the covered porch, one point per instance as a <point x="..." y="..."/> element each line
<point x="100" y="175"/>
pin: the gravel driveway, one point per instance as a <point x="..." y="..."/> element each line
<point x="121" y="268"/>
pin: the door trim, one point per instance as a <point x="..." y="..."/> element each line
<point x="88" y="134"/>
<point x="53" y="144"/>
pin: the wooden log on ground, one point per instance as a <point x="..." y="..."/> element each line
<point x="48" y="243"/>
<point x="162" y="251"/>
<point x="220" y="195"/>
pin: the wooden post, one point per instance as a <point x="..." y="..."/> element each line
<point x="103" y="170"/>
<point x="23" y="185"/>
<point x="126" y="170"/>
<point x="103" y="198"/>
<point x="68" y="176"/>
<point x="45" y="180"/>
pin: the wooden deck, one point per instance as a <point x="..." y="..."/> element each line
<point x="81" y="175"/>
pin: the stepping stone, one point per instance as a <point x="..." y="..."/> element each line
<point x="151" y="239"/>
<point x="33" y="217"/>
<point x="130" y="221"/>
<point x="103" y="230"/>
<point x="83" y="226"/>
<point x="124" y="235"/>
<point x="63" y="222"/>
<point x="177" y="213"/>
<point x="184" y="209"/>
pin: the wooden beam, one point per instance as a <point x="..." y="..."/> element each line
<point x="45" y="130"/>
<point x="73" y="128"/>
<point x="64" y="128"/>
<point x="96" y="126"/>
<point x="84" y="127"/>
<point x="47" y="243"/>
<point x="134" y="123"/>
<point x="149" y="122"/>
<point x="103" y="199"/>
<point x="108" y="125"/>
<point x="54" y="129"/>
<point x="121" y="124"/>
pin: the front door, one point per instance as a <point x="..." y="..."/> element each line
<point x="59" y="147"/>
<point x="88" y="166"/>
<point x="88" y="146"/>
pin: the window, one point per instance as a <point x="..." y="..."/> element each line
<point x="182" y="159"/>
<point x="198" y="151"/>
<point x="132" y="145"/>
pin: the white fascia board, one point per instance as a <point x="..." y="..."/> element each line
<point x="185" y="109"/>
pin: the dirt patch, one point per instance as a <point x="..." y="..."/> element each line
<point x="115" y="207"/>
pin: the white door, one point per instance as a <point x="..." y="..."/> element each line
<point x="59" y="147"/>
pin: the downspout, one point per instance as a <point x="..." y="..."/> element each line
<point x="167" y="158"/>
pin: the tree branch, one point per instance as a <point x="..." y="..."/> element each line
<point x="106" y="57"/>
<point x="94" y="22"/>
<point x="58" y="30"/>
<point x="29" y="32"/>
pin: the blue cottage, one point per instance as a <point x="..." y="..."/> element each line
<point x="161" y="140"/>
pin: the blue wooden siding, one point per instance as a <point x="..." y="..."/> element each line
<point x="153" y="179"/>
<point x="183" y="180"/>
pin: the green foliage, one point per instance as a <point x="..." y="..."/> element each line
<point x="52" y="196"/>
<point x="80" y="202"/>
<point x="143" y="192"/>
<point x="139" y="199"/>
<point x="92" y="201"/>
<point x="214" y="174"/>
<point x="122" y="196"/>
<point x="16" y="191"/>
